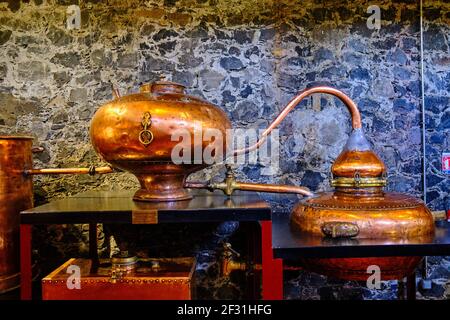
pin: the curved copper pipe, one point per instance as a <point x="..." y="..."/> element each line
<point x="354" y="112"/>
<point x="91" y="171"/>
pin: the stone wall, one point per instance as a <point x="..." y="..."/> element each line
<point x="437" y="100"/>
<point x="249" y="57"/>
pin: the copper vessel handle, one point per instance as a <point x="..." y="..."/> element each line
<point x="338" y="229"/>
<point x="145" y="135"/>
<point x="349" y="103"/>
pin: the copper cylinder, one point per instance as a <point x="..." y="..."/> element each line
<point x="16" y="194"/>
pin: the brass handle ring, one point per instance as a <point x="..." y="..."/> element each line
<point x="145" y="137"/>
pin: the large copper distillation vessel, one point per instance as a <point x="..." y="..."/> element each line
<point x="16" y="194"/>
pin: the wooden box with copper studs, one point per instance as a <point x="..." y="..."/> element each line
<point x="123" y="278"/>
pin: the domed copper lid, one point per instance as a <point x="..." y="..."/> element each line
<point x="358" y="165"/>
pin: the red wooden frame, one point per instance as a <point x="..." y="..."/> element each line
<point x="272" y="269"/>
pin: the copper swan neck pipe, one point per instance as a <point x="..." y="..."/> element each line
<point x="349" y="103"/>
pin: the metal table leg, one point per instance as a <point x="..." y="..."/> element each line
<point x="93" y="246"/>
<point x="411" y="286"/>
<point x="272" y="269"/>
<point x="253" y="244"/>
<point x="25" y="262"/>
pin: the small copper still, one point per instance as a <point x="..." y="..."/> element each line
<point x="358" y="208"/>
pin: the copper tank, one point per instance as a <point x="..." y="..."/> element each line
<point x="134" y="133"/>
<point x="16" y="194"/>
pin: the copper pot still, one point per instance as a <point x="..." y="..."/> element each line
<point x="358" y="209"/>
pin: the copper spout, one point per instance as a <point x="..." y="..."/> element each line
<point x="91" y="171"/>
<point x="261" y="187"/>
<point x="229" y="185"/>
<point x="248" y="186"/>
<point x="228" y="264"/>
<point x="354" y="112"/>
<point x="272" y="188"/>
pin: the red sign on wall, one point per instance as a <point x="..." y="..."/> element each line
<point x="446" y="163"/>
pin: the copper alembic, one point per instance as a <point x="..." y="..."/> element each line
<point x="135" y="133"/>
<point x="358" y="208"/>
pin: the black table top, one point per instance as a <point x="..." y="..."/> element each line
<point x="119" y="207"/>
<point x="291" y="244"/>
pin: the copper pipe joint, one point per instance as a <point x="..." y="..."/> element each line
<point x="349" y="103"/>
<point x="197" y="185"/>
